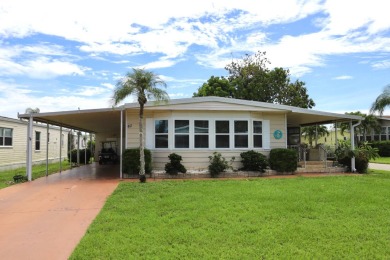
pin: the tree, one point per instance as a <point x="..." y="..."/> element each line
<point x="216" y="86"/>
<point x="250" y="79"/>
<point x="369" y="123"/>
<point x="382" y="101"/>
<point x="144" y="85"/>
<point x="314" y="132"/>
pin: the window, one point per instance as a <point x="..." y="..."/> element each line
<point x="5" y="136"/>
<point x="222" y="131"/>
<point x="182" y="133"/>
<point x="37" y="141"/>
<point x="161" y="133"/>
<point x="201" y="134"/>
<point x="240" y="134"/>
<point x="383" y="133"/>
<point x="257" y="134"/>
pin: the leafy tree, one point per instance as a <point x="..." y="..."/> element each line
<point x="314" y="132"/>
<point x="250" y="79"/>
<point x="216" y="86"/>
<point x="144" y="85"/>
<point x="382" y="101"/>
<point x="369" y="123"/>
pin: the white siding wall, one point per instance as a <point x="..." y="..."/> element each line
<point x="197" y="159"/>
<point x="15" y="156"/>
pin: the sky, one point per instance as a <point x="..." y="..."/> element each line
<point x="69" y="55"/>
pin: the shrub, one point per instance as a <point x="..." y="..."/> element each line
<point x="81" y="155"/>
<point x="363" y="154"/>
<point x="254" y="161"/>
<point x="218" y="164"/>
<point x="283" y="160"/>
<point x="383" y="148"/>
<point x="131" y="164"/>
<point x="175" y="166"/>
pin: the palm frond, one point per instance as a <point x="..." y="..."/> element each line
<point x="382" y="101"/>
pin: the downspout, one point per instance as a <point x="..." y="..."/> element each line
<point x="353" y="169"/>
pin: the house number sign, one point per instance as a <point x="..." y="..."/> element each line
<point x="278" y="134"/>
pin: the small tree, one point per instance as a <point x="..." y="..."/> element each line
<point x="175" y="166"/>
<point x="218" y="164"/>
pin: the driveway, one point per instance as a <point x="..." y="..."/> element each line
<point x="46" y="218"/>
<point x="379" y="166"/>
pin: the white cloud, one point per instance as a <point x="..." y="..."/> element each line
<point x="18" y="98"/>
<point x="385" y="64"/>
<point x="162" y="63"/>
<point x="108" y="85"/>
<point x="343" y="77"/>
<point x="90" y="91"/>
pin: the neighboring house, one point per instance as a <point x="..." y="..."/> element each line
<point x="13" y="135"/>
<point x="384" y="135"/>
<point x="196" y="127"/>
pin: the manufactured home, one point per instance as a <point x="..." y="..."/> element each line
<point x="46" y="142"/>
<point x="195" y="127"/>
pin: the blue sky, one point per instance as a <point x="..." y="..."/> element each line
<point x="65" y="55"/>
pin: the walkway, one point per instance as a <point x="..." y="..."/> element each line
<point x="379" y="166"/>
<point x="46" y="218"/>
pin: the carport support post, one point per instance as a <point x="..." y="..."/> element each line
<point x="29" y="148"/>
<point x="335" y="133"/>
<point x="121" y="146"/>
<point x="47" y="150"/>
<point x="78" y="147"/>
<point x="61" y="140"/>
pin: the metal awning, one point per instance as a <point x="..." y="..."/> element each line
<point x="92" y="120"/>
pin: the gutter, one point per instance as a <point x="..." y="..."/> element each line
<point x="353" y="169"/>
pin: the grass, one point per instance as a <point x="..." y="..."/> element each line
<point x="383" y="160"/>
<point x="310" y="218"/>
<point x="6" y="177"/>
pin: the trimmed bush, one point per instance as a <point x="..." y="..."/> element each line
<point x="254" y="161"/>
<point x="218" y="164"/>
<point x="175" y="166"/>
<point x="131" y="164"/>
<point x="283" y="160"/>
<point x="81" y="156"/>
<point x="383" y="148"/>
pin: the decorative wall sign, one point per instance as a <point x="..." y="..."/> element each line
<point x="278" y="134"/>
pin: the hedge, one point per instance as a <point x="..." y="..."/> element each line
<point x="131" y="163"/>
<point x="283" y="160"/>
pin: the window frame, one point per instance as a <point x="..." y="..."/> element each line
<point x="167" y="134"/>
<point x="182" y="134"/>
<point x="3" y="136"/>
<point x="212" y="134"/>
<point x="38" y="140"/>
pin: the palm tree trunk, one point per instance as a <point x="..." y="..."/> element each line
<point x="142" y="176"/>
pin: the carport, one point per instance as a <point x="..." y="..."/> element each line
<point x="101" y="122"/>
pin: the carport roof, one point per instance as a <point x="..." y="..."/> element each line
<point x="91" y="120"/>
<point x="107" y="120"/>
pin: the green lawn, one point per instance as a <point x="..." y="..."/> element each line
<point x="384" y="160"/>
<point x="311" y="218"/>
<point x="6" y="177"/>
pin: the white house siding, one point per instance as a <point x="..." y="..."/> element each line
<point x="195" y="158"/>
<point x="15" y="156"/>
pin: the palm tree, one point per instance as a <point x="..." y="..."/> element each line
<point x="382" y="101"/>
<point x="369" y="123"/>
<point x="143" y="85"/>
<point x="314" y="132"/>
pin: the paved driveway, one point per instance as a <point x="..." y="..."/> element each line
<point x="46" y="218"/>
<point x="379" y="166"/>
